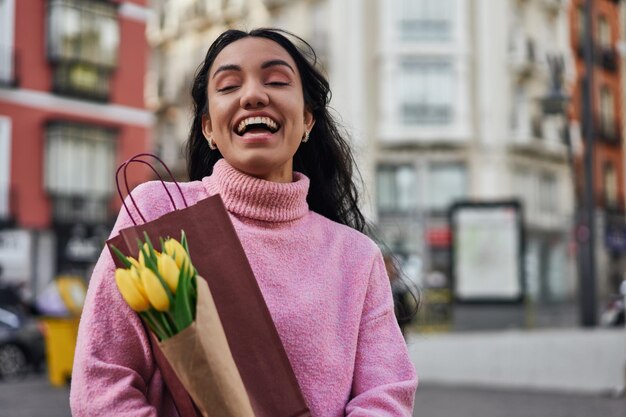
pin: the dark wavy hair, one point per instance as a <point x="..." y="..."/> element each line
<point x="326" y="159"/>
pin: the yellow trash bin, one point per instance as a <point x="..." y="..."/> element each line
<point x="61" y="331"/>
<point x="60" y="335"/>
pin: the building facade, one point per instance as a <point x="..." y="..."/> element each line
<point x="608" y="124"/>
<point x="71" y="109"/>
<point x="460" y="87"/>
<point x="446" y="101"/>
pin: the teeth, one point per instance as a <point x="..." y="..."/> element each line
<point x="256" y="120"/>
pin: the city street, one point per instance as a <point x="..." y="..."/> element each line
<point x="34" y="397"/>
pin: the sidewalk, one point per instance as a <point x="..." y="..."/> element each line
<point x="585" y="361"/>
<point x="446" y="401"/>
<point x="34" y="397"/>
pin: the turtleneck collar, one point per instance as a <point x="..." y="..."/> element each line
<point x="256" y="198"/>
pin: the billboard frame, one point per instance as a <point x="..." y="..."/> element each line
<point x="521" y="246"/>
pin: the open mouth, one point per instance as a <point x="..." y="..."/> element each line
<point x="257" y="125"/>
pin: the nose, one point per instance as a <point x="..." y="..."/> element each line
<point x="253" y="96"/>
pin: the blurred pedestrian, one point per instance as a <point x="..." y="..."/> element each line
<point x="263" y="138"/>
<point x="403" y="308"/>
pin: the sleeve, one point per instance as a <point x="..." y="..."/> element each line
<point x="384" y="380"/>
<point x="113" y="361"/>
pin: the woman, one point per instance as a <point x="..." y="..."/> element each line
<point x="263" y="139"/>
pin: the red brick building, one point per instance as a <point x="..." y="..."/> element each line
<point x="71" y="109"/>
<point x="608" y="153"/>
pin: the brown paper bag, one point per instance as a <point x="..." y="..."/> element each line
<point x="201" y="358"/>
<point x="254" y="343"/>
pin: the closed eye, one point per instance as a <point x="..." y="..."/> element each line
<point x="278" y="84"/>
<point x="227" y="88"/>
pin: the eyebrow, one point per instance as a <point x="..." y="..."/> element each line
<point x="266" y="64"/>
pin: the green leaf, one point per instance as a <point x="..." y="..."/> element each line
<point x="183" y="241"/>
<point x="182" y="309"/>
<point x="162" y="244"/>
<point x="121" y="257"/>
<point x="152" y="253"/>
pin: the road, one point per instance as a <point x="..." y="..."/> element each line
<point x="34" y="397"/>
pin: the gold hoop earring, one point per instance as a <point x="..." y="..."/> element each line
<point x="212" y="144"/>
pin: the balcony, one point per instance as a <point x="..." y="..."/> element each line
<point x="9" y="60"/>
<point x="607" y="58"/>
<point x="523" y="55"/>
<point x="82" y="80"/>
<point x="609" y="133"/>
<point x="80" y="208"/>
<point x="8" y="207"/>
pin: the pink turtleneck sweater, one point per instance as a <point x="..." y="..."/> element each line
<point x="325" y="286"/>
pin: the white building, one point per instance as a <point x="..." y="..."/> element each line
<point x="459" y="118"/>
<point x="441" y="98"/>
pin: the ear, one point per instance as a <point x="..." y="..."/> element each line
<point x="207" y="127"/>
<point x="309" y="120"/>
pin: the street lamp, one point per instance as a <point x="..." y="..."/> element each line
<point x="555" y="103"/>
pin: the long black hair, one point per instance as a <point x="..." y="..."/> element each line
<point x="326" y="159"/>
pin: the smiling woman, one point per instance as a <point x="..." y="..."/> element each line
<point x="263" y="139"/>
<point x="256" y="113"/>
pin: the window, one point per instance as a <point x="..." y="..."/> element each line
<point x="396" y="186"/>
<point x="5" y="165"/>
<point x="524" y="188"/>
<point x="446" y="183"/>
<point x="581" y="16"/>
<point x="425" y="89"/>
<point x="7" y="52"/>
<point x="83" y="41"/>
<point x="425" y="20"/>
<point x="79" y="160"/>
<point x="604" y="32"/>
<point x="609" y="184"/>
<point x="548" y="192"/>
<point x="520" y="116"/>
<point x="607" y="112"/>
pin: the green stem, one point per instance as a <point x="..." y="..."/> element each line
<point x="154" y="325"/>
<point x="173" y="322"/>
<point x="166" y="325"/>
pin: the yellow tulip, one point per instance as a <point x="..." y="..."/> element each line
<point x="174" y="249"/>
<point x="131" y="290"/>
<point x="155" y="291"/>
<point x="135" y="276"/>
<point x="169" y="271"/>
<point x="146" y="248"/>
<point x="134" y="262"/>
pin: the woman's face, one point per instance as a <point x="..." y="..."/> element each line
<point x="257" y="116"/>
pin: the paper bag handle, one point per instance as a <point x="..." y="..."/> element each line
<point x="136" y="158"/>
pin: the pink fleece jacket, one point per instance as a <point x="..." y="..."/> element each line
<point x="325" y="286"/>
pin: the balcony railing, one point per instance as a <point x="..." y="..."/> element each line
<point x="607" y="132"/>
<point x="8" y="206"/>
<point x="607" y="58"/>
<point x="77" y="208"/>
<point x="82" y="80"/>
<point x="8" y="67"/>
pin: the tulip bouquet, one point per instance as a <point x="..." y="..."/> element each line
<point x="160" y="286"/>
<point x="165" y="290"/>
